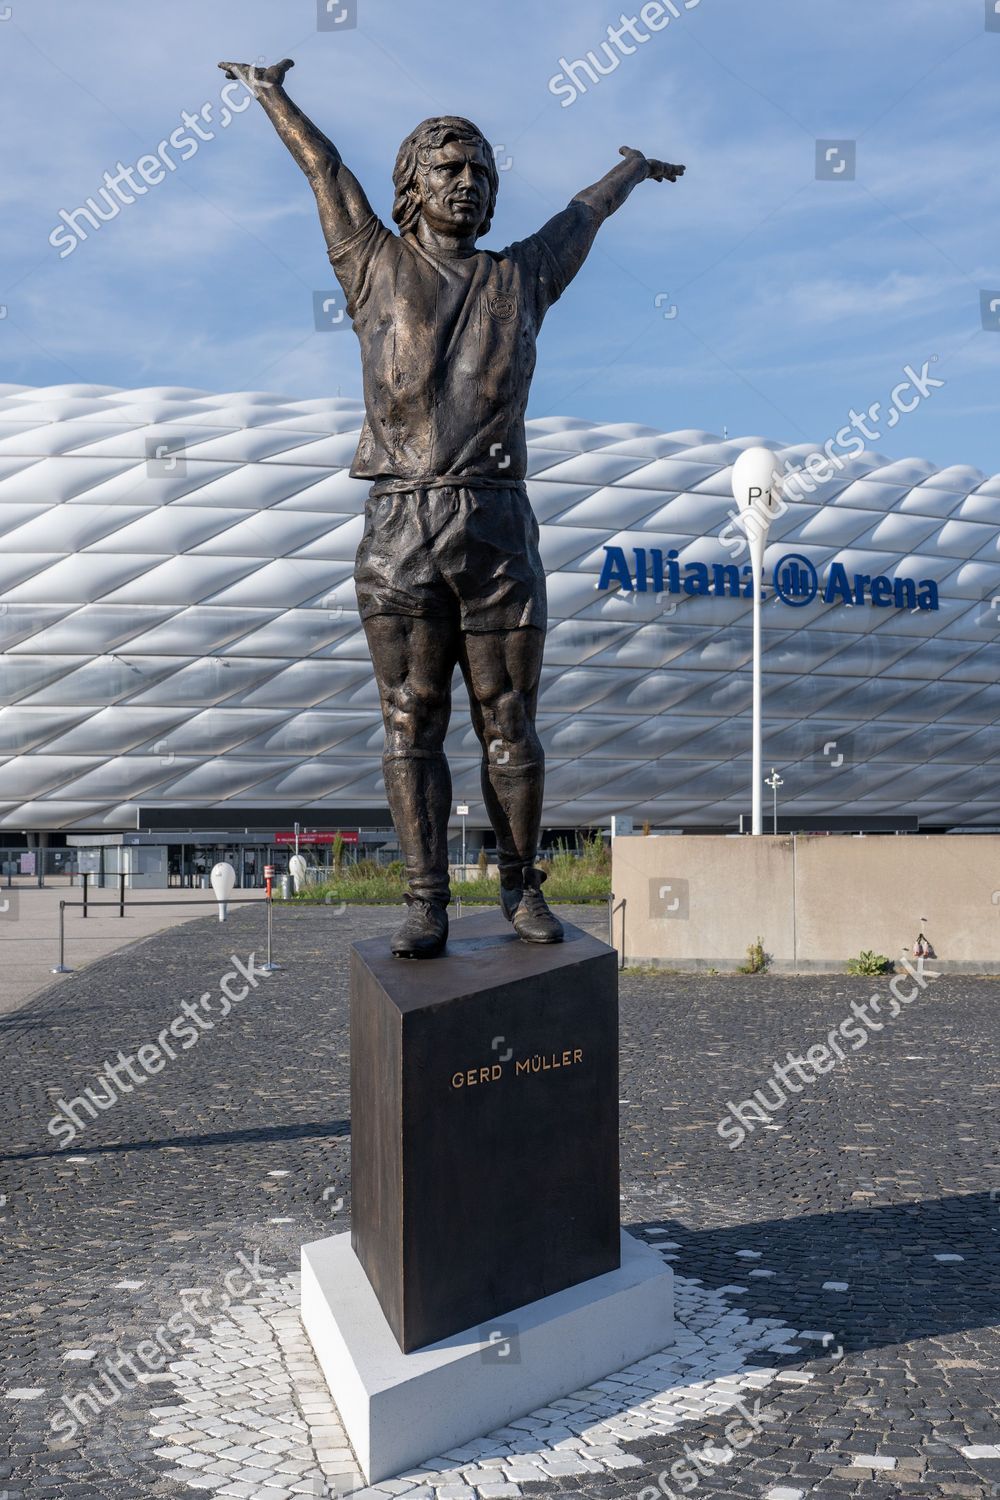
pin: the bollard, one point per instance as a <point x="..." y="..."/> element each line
<point x="60" y="967"/>
<point x="121" y="894"/>
<point x="223" y="882"/>
<point x="86" y="885"/>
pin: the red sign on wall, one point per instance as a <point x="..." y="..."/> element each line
<point x="310" y="836"/>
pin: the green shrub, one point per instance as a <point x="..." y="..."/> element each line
<point x="868" y="962"/>
<point x="757" y="960"/>
<point x="573" y="878"/>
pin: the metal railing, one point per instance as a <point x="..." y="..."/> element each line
<point x="61" y="967"/>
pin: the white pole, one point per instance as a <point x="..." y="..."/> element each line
<point x="774" y="781"/>
<point x="462" y="810"/>
<point x="756" y="487"/>
<point x="757" y="799"/>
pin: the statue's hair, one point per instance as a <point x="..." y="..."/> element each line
<point x="414" y="157"/>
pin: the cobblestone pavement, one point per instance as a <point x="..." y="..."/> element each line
<point x="837" y="1273"/>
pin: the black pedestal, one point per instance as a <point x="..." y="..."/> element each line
<point x="484" y="1124"/>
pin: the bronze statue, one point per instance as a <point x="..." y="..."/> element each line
<point x="448" y="570"/>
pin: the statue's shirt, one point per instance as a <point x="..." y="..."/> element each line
<point x="448" y="347"/>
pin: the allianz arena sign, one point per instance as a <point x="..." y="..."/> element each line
<point x="794" y="581"/>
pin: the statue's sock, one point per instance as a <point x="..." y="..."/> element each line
<point x="418" y="789"/>
<point x="513" y="797"/>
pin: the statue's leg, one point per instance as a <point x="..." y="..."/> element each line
<point x="414" y="659"/>
<point x="501" y="670"/>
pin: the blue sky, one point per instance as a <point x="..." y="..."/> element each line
<point x="796" y="299"/>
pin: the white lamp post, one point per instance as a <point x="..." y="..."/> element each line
<point x="463" y="812"/>
<point x="223" y="880"/>
<point x="756" y="487"/>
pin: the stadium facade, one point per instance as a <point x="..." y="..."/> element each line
<point x="182" y="650"/>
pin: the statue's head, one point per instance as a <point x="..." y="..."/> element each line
<point x="446" y="173"/>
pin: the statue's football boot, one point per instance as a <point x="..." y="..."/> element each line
<point x="425" y="931"/>
<point x="529" y="912"/>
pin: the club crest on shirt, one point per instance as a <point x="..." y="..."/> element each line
<point x="503" y="306"/>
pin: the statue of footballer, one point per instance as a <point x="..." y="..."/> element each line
<point x="448" y="570"/>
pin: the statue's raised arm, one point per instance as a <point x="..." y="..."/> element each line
<point x="608" y="195"/>
<point x="343" y="206"/>
<point x="569" y="235"/>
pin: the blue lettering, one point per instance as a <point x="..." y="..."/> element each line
<point x="726" y="579"/>
<point x="615" y="568"/>
<point x="904" y="593"/>
<point x="697" y="581"/>
<point x="837" y="586"/>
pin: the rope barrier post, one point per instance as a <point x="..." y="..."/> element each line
<point x="612" y="908"/>
<point x="60" y="967"/>
<point x="623" y="904"/>
<point x="270" y="967"/>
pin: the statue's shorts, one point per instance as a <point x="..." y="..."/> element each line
<point x="464" y="553"/>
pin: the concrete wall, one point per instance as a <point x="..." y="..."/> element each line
<point x="814" y="902"/>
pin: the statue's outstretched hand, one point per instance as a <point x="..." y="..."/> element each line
<point x="659" y="171"/>
<point x="256" y="78"/>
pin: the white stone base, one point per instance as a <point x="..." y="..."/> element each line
<point x="400" y="1409"/>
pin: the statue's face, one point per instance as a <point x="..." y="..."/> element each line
<point x="455" y="188"/>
